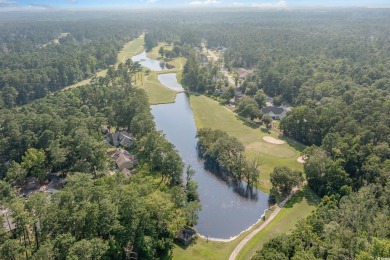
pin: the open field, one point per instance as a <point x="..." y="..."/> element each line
<point x="208" y="113"/>
<point x="298" y="207"/>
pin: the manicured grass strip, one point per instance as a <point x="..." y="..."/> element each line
<point x="130" y="49"/>
<point x="209" y="113"/>
<point x="101" y="73"/>
<point x="298" y="207"/>
<point x="203" y="249"/>
<point x="157" y="93"/>
<point x="153" y="54"/>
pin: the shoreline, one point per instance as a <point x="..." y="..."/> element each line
<point x="226" y="240"/>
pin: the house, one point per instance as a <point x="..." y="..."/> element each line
<point x="185" y="235"/>
<point x="276" y="113"/>
<point x="243" y="73"/>
<point x="124" y="160"/>
<point x="120" y="138"/>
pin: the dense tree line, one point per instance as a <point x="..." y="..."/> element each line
<point x="226" y="154"/>
<point x="31" y="65"/>
<point x="353" y="227"/>
<point x="204" y="77"/>
<point x="95" y="216"/>
<point x="66" y="126"/>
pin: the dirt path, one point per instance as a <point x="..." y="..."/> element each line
<point x="234" y="254"/>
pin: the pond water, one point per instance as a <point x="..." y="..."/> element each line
<point x="226" y="209"/>
<point x="148" y="63"/>
<point x="170" y="81"/>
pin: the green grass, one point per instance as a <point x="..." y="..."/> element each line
<point x="209" y="113"/>
<point x="203" y="249"/>
<point x="153" y="54"/>
<point x="298" y="207"/>
<point x="129" y="50"/>
<point x="157" y="93"/>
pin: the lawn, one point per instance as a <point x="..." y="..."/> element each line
<point x="153" y="54"/>
<point x="209" y="113"/>
<point x="157" y="93"/>
<point x="130" y="49"/>
<point x="203" y="249"/>
<point x="299" y="206"/>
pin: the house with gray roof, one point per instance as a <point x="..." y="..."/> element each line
<point x="276" y="113"/>
<point x="124" y="161"/>
<point x="120" y="138"/>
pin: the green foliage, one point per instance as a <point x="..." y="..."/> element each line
<point x="354" y="227"/>
<point x="249" y="108"/>
<point x="225" y="154"/>
<point x="34" y="161"/>
<point x="150" y="41"/>
<point x="201" y="78"/>
<point x="283" y="180"/>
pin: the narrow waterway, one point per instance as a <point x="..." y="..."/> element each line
<point x="227" y="208"/>
<point x="148" y="62"/>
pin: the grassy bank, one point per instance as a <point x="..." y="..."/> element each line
<point x="157" y="93"/>
<point x="208" y="113"/>
<point x="204" y="249"/>
<point x="299" y="206"/>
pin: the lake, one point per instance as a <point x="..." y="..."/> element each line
<point x="226" y="211"/>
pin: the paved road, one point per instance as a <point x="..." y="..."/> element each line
<point x="224" y="72"/>
<point x="237" y="250"/>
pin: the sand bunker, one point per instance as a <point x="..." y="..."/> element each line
<point x="302" y="159"/>
<point x="272" y="140"/>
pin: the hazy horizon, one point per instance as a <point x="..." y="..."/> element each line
<point x="27" y="5"/>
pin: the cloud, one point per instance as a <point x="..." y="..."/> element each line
<point x="205" y="2"/>
<point x="7" y="3"/>
<point x="280" y="4"/>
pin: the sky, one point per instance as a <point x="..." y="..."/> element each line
<point x="266" y="4"/>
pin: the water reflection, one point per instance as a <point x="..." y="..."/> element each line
<point x="228" y="207"/>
